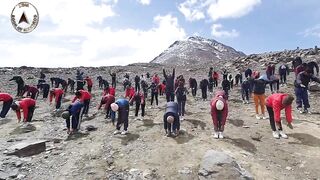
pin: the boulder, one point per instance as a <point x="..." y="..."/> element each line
<point x="218" y="165"/>
<point x="314" y="87"/>
<point x="27" y="148"/>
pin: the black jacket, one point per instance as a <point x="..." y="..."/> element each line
<point x="169" y="81"/>
<point x="259" y="86"/>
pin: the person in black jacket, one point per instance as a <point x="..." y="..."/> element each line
<point x="230" y="79"/>
<point x="193" y="86"/>
<point x="210" y="72"/>
<point x="226" y="87"/>
<point x="248" y="73"/>
<point x="171" y="121"/>
<point x="296" y="62"/>
<point x="137" y="83"/>
<point x="113" y="79"/>
<point x="313" y="65"/>
<point x="283" y="72"/>
<point x="245" y="91"/>
<point x="204" y="88"/>
<point x="154" y="92"/>
<point x="169" y="85"/>
<point x="45" y="88"/>
<point x="20" y="83"/>
<point x="210" y="85"/>
<point x="144" y="86"/>
<point x="181" y="95"/>
<point x="259" y="85"/>
<point x="238" y="78"/>
<point x="71" y="84"/>
<point x="301" y="89"/>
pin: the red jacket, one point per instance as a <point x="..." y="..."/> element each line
<point x="107" y="100"/>
<point x="89" y="81"/>
<point x="57" y="92"/>
<point x="110" y="90"/>
<point x="162" y="87"/>
<point x="129" y="92"/>
<point x="214" y="110"/>
<point x="215" y="75"/>
<point x="32" y="90"/>
<point x="5" y="97"/>
<point x="85" y="95"/>
<point x="156" y="79"/>
<point x="275" y="102"/>
<point x="25" y="104"/>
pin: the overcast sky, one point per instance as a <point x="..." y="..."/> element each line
<point x="120" y="32"/>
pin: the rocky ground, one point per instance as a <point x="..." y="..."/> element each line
<point x="145" y="153"/>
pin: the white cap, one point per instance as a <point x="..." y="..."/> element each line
<point x="219" y="105"/>
<point x="170" y="119"/>
<point x="114" y="107"/>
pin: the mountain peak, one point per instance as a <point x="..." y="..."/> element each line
<point x="196" y="49"/>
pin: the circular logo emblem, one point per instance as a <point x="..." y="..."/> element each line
<point x="24" y="17"/>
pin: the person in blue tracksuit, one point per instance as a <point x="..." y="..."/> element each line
<point x="122" y="106"/>
<point x="171" y="119"/>
<point x="74" y="111"/>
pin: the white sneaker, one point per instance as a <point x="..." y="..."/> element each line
<point x="116" y="132"/>
<point x="181" y="118"/>
<point x="258" y="117"/>
<point x="247" y="102"/>
<point x="244" y="102"/>
<point x="283" y="135"/>
<point x="221" y="135"/>
<point x="300" y="110"/>
<point x="264" y="117"/>
<point x="124" y="132"/>
<point x="216" y="135"/>
<point x="275" y="134"/>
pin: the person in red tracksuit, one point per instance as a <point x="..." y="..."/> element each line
<point x="27" y="105"/>
<point x="156" y="79"/>
<point x="139" y="99"/>
<point x="7" y="101"/>
<point x="129" y="92"/>
<point x="57" y="93"/>
<point x="275" y="103"/>
<point x="107" y="100"/>
<point x="89" y="83"/>
<point x="31" y="91"/>
<point x="219" y="113"/>
<point x="162" y="89"/>
<point x="109" y="90"/>
<point x="84" y="97"/>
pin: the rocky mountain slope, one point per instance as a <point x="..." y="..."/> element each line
<point x="196" y="50"/>
<point x="248" y="152"/>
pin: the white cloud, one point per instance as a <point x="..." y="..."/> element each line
<point x="314" y="31"/>
<point x="192" y="10"/>
<point x="216" y="31"/>
<point x="144" y="2"/>
<point x="216" y="9"/>
<point x="59" y="41"/>
<point x="222" y="9"/>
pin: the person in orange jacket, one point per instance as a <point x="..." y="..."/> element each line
<point x="57" y="94"/>
<point x="27" y="105"/>
<point x="129" y="92"/>
<point x="7" y="101"/>
<point x="275" y="103"/>
<point x="89" y="83"/>
<point x="84" y="97"/>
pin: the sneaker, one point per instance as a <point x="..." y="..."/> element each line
<point x="116" y="132"/>
<point x="300" y="110"/>
<point x="216" y="135"/>
<point x="264" y="117"/>
<point x="221" y="135"/>
<point x="244" y="102"/>
<point x="124" y="132"/>
<point x="307" y="111"/>
<point x="181" y="118"/>
<point x="258" y="117"/>
<point x="283" y="135"/>
<point x="275" y="134"/>
<point x="247" y="102"/>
